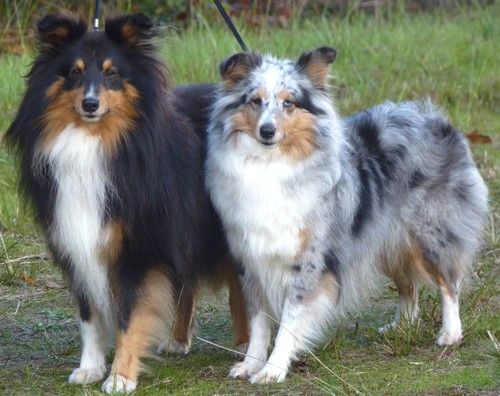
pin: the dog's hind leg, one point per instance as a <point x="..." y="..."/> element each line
<point x="451" y="329"/>
<point x="238" y="312"/>
<point x="401" y="272"/>
<point x="180" y="340"/>
<point x="407" y="306"/>
<point x="443" y="268"/>
<point x="94" y="339"/>
<point x="144" y="324"/>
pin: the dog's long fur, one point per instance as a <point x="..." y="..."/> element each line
<point x="315" y="207"/>
<point x="112" y="160"/>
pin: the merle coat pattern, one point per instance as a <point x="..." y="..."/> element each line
<point x="315" y="207"/>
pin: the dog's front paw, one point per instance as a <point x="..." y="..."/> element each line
<point x="116" y="383"/>
<point x="174" y="347"/>
<point x="269" y="374"/>
<point x="245" y="368"/>
<point x="87" y="375"/>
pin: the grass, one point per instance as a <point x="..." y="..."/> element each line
<point x="453" y="59"/>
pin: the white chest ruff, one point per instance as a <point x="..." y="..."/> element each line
<point x="76" y="160"/>
<point x="264" y="212"/>
<point x="265" y="208"/>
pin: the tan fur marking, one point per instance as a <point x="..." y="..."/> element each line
<point x="327" y="285"/>
<point x="403" y="273"/>
<point x="119" y="119"/>
<point x="60" y="112"/>
<point x="107" y="64"/>
<point x="54" y="88"/>
<point x="236" y="74"/>
<point x="60" y="32"/>
<point x="245" y="121"/>
<point x="147" y="325"/>
<point x="238" y="307"/>
<point x="285" y="95"/>
<point x="226" y="275"/>
<point x="183" y="321"/>
<point x="112" y="249"/>
<point x="261" y="93"/>
<point x="410" y="267"/>
<point x="80" y="64"/>
<point x="128" y="32"/>
<point x="317" y="71"/>
<point x="299" y="134"/>
<point x="304" y="238"/>
<point x="425" y="267"/>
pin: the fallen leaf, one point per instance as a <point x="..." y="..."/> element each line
<point x="28" y="279"/>
<point x="476" y="138"/>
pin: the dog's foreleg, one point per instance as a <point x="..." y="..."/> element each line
<point x="305" y="315"/>
<point x="145" y="324"/>
<point x="285" y="346"/>
<point x="260" y="333"/>
<point x="94" y="339"/>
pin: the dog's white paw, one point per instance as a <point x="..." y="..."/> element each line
<point x="118" y="384"/>
<point x="87" y="375"/>
<point x="173" y="347"/>
<point x="449" y="337"/>
<point x="245" y="368"/>
<point x="388" y="327"/>
<point x="269" y="374"/>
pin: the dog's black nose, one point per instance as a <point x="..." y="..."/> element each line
<point x="267" y="131"/>
<point x="90" y="104"/>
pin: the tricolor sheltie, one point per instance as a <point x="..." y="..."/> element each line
<point x="314" y="206"/>
<point x="113" y="163"/>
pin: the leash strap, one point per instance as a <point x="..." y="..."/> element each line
<point x="231" y="26"/>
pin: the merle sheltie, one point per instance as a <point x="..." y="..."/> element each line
<point x="112" y="159"/>
<point x="315" y="207"/>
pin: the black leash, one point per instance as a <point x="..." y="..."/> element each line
<point x="230" y="23"/>
<point x="219" y="6"/>
<point x="96" y="14"/>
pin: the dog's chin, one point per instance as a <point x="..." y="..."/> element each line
<point x="268" y="144"/>
<point x="91" y="117"/>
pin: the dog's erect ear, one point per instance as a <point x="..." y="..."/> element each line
<point x="57" y="30"/>
<point x="131" y="30"/>
<point x="315" y="64"/>
<point x="237" y="67"/>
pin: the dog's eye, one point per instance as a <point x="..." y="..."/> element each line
<point x="111" y="73"/>
<point x="288" y="103"/>
<point x="257" y="102"/>
<point x="75" y="73"/>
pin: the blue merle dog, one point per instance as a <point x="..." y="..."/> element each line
<point x="315" y="207"/>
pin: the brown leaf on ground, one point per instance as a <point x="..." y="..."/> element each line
<point x="28" y="279"/>
<point x="476" y="138"/>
